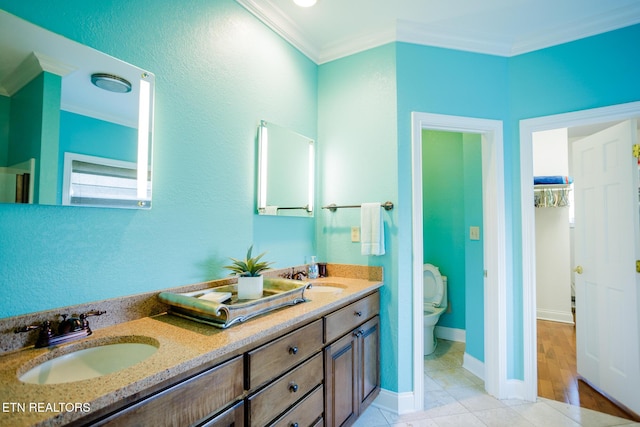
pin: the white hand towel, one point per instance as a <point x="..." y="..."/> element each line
<point x="271" y="210"/>
<point x="371" y="229"/>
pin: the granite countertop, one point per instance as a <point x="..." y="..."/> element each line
<point x="183" y="346"/>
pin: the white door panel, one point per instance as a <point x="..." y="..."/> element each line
<point x="606" y="245"/>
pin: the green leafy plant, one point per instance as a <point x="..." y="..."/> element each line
<point x="250" y="266"/>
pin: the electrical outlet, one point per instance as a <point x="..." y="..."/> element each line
<point x="355" y="234"/>
<point x="474" y="233"/>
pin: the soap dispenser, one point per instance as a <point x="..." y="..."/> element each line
<point x="313" y="268"/>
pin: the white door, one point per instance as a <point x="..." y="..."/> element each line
<point x="606" y="249"/>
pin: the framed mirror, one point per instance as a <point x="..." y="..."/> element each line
<point x="75" y="124"/>
<point x="286" y="163"/>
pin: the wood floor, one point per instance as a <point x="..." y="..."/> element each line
<point x="557" y="374"/>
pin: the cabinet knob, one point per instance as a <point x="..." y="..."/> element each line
<point x="293" y="350"/>
<point x="294" y="424"/>
<point x="358" y="314"/>
<point x="293" y="387"/>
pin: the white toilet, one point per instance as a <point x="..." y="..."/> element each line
<point x="435" y="303"/>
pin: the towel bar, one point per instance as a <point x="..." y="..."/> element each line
<point x="333" y="207"/>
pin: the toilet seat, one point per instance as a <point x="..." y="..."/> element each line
<point x="432" y="277"/>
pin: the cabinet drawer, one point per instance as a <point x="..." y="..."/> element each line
<point x="306" y="413"/>
<point x="344" y="320"/>
<point x="274" y="399"/>
<point x="232" y="417"/>
<point x="187" y="402"/>
<point x="271" y="360"/>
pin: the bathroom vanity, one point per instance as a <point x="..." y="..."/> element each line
<point x="315" y="363"/>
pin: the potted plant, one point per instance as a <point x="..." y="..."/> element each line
<point x="250" y="280"/>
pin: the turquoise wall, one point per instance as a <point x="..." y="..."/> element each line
<point x="5" y="103"/>
<point x="444" y="81"/>
<point x="444" y="236"/>
<point x="219" y="71"/>
<point x="452" y="202"/>
<point x="474" y="250"/>
<point x="86" y="135"/>
<point x="357" y="158"/>
<point x="33" y="132"/>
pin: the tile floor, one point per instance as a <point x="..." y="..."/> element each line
<point x="454" y="397"/>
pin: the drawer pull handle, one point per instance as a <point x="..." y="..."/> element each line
<point x="293" y="387"/>
<point x="293" y="350"/>
<point x="358" y="313"/>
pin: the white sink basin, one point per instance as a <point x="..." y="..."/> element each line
<point x="88" y="363"/>
<point x="325" y="287"/>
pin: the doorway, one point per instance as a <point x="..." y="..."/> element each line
<point x="494" y="366"/>
<point x="593" y="117"/>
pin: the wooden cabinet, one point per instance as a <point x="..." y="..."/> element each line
<point x="323" y="373"/>
<point x="284" y="392"/>
<point x="308" y="412"/>
<point x="187" y="402"/>
<point x="352" y="365"/>
<point x="232" y="417"/>
<point x="345" y="319"/>
<point x="283" y="373"/>
<point x="273" y="359"/>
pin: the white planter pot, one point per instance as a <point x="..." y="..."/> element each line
<point x="250" y="287"/>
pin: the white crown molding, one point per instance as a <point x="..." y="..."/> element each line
<point x="412" y="32"/>
<point x="416" y="33"/>
<point x="30" y="68"/>
<point x="615" y="19"/>
<point x="273" y="18"/>
<point x="353" y="45"/>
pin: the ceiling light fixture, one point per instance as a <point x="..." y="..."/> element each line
<point x="305" y="3"/>
<point x="111" y="82"/>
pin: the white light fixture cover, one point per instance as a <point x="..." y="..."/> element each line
<point x="305" y="3"/>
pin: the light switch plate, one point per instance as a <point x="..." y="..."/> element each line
<point x="474" y="233"/>
<point x="355" y="234"/>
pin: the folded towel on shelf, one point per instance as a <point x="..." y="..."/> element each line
<point x="552" y="179"/>
<point x="371" y="229"/>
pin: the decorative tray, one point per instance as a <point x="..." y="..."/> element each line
<point x="221" y="307"/>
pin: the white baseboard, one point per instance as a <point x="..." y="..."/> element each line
<point x="451" y="334"/>
<point x="555" y="315"/>
<point x="516" y="389"/>
<point x="397" y="403"/>
<point x="473" y="365"/>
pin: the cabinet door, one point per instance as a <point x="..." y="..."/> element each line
<point x="340" y="361"/>
<point x="352" y="373"/>
<point x="369" y="360"/>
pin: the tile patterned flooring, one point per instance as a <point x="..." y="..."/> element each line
<point x="454" y="398"/>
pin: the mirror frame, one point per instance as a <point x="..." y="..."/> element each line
<point x="306" y="207"/>
<point x="53" y="55"/>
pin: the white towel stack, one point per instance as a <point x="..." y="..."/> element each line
<point x="371" y="229"/>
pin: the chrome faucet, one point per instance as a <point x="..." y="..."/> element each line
<point x="69" y="329"/>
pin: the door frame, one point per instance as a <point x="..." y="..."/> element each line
<point x="527" y="128"/>
<point x="494" y="224"/>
